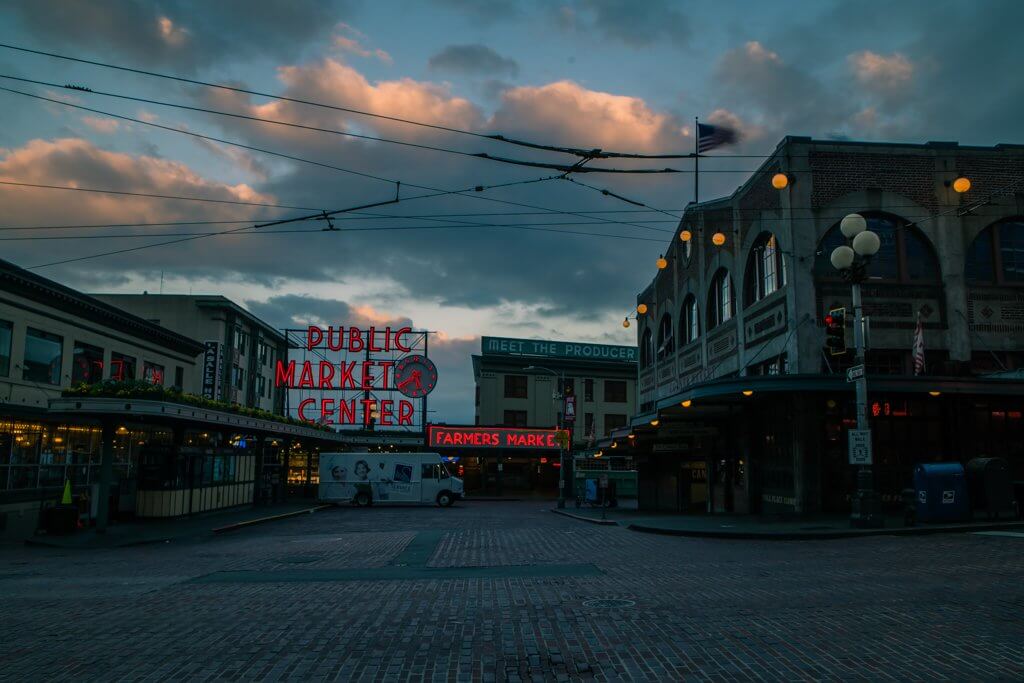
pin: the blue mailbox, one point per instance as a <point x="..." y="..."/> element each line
<point x="941" y="489"/>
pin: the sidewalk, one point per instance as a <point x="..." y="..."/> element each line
<point x="769" y="528"/>
<point x="123" y="534"/>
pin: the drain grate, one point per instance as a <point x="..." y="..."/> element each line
<point x="609" y="603"/>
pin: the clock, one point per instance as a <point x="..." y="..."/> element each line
<point x="415" y="376"/>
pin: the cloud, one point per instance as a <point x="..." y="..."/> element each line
<point x="485" y="13"/>
<point x="878" y="71"/>
<point x="635" y="24"/>
<point x="349" y="39"/>
<point x="184" y="34"/>
<point x="101" y="125"/>
<point x="474" y="59"/>
<point x="567" y="113"/>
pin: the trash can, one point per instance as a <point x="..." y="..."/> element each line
<point x="988" y="480"/>
<point x="941" y="492"/>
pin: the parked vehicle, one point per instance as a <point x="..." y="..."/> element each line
<point x="366" y="478"/>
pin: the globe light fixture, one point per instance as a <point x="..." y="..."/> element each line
<point x="615" y="444"/>
<point x="961" y="184"/>
<point x="852" y="225"/>
<point x="687" y="403"/>
<point x="748" y="392"/>
<point x="686" y="236"/>
<point x="641" y="308"/>
<point x="842" y="257"/>
<point x="625" y="322"/>
<point x="718" y="239"/>
<point x="935" y="393"/>
<point x="662" y="262"/>
<point x="866" y="243"/>
<point x="780" y="181"/>
<point x="654" y="422"/>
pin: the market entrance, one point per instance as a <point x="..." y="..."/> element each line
<point x="501" y="461"/>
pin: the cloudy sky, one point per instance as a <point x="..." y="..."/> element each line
<point x="612" y="74"/>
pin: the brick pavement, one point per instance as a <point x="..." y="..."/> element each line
<point x="947" y="607"/>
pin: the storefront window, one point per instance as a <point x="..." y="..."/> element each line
<point x="122" y="367"/>
<point x="86" y="364"/>
<point x="153" y="373"/>
<point x="43" y="352"/>
<point x="5" y="347"/>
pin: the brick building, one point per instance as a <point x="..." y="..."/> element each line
<point x="740" y="407"/>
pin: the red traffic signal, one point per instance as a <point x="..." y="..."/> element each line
<point x="835" y="331"/>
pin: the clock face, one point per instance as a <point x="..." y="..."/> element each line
<point x="415" y="376"/>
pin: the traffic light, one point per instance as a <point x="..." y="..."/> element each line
<point x="835" y="331"/>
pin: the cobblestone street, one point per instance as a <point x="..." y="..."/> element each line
<point x="504" y="591"/>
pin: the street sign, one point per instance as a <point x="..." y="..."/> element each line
<point x="859" y="444"/>
<point x="855" y="373"/>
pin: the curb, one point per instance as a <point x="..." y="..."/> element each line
<point x="38" y="543"/>
<point x="602" y="522"/>
<point x="824" y="535"/>
<point x="272" y="518"/>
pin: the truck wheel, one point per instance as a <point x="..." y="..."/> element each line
<point x="445" y="499"/>
<point x="363" y="499"/>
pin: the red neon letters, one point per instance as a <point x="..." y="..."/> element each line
<point x="352" y="339"/>
<point x="493" y="437"/>
<point x="343" y="411"/>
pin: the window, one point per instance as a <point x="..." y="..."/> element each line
<point x="122" y="367"/>
<point x="612" y="422"/>
<point x="646" y="350"/>
<point x="237" y="377"/>
<point x="588" y="424"/>
<point x="588" y="390"/>
<point x="666" y="341"/>
<point x="476" y="398"/>
<point x="264" y="353"/>
<point x="179" y="377"/>
<point x="261" y="385"/>
<point x="43" y="352"/>
<point x="997" y="254"/>
<point x="515" y="386"/>
<point x="428" y="471"/>
<point x="773" y="366"/>
<point x="720" y="302"/>
<point x="615" y="391"/>
<point x="570" y="386"/>
<point x="153" y="373"/>
<point x="690" y="330"/>
<point x="6" y="330"/>
<point x="515" y="418"/>
<point x="86" y="363"/>
<point x="905" y="254"/>
<point x="241" y="339"/>
<point x="766" y="269"/>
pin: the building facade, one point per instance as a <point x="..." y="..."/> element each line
<point x="241" y="350"/>
<point x="95" y="396"/>
<point x="525" y="384"/>
<point x="743" y="409"/>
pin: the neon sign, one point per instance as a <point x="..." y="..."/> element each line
<point x="441" y="436"/>
<point x="413" y="375"/>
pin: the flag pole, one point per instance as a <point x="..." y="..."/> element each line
<point x="696" y="160"/>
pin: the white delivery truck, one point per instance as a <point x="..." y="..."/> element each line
<point x="367" y="478"/>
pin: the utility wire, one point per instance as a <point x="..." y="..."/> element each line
<point x="463" y="193"/>
<point x="156" y="196"/>
<point x="609" y="193"/>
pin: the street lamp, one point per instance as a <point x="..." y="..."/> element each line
<point x="852" y="262"/>
<point x="561" y="451"/>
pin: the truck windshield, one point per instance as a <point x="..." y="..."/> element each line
<point x="444" y="471"/>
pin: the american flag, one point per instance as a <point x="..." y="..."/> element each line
<point x="919" y="347"/>
<point x="709" y="137"/>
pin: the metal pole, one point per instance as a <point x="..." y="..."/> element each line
<point x="561" y="451"/>
<point x="866" y="508"/>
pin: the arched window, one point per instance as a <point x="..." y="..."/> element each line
<point x="905" y="254"/>
<point x="721" y="306"/>
<point x="996" y="256"/>
<point x="766" y="269"/>
<point x="689" y="323"/>
<point x="666" y="340"/>
<point x="645" y="348"/>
